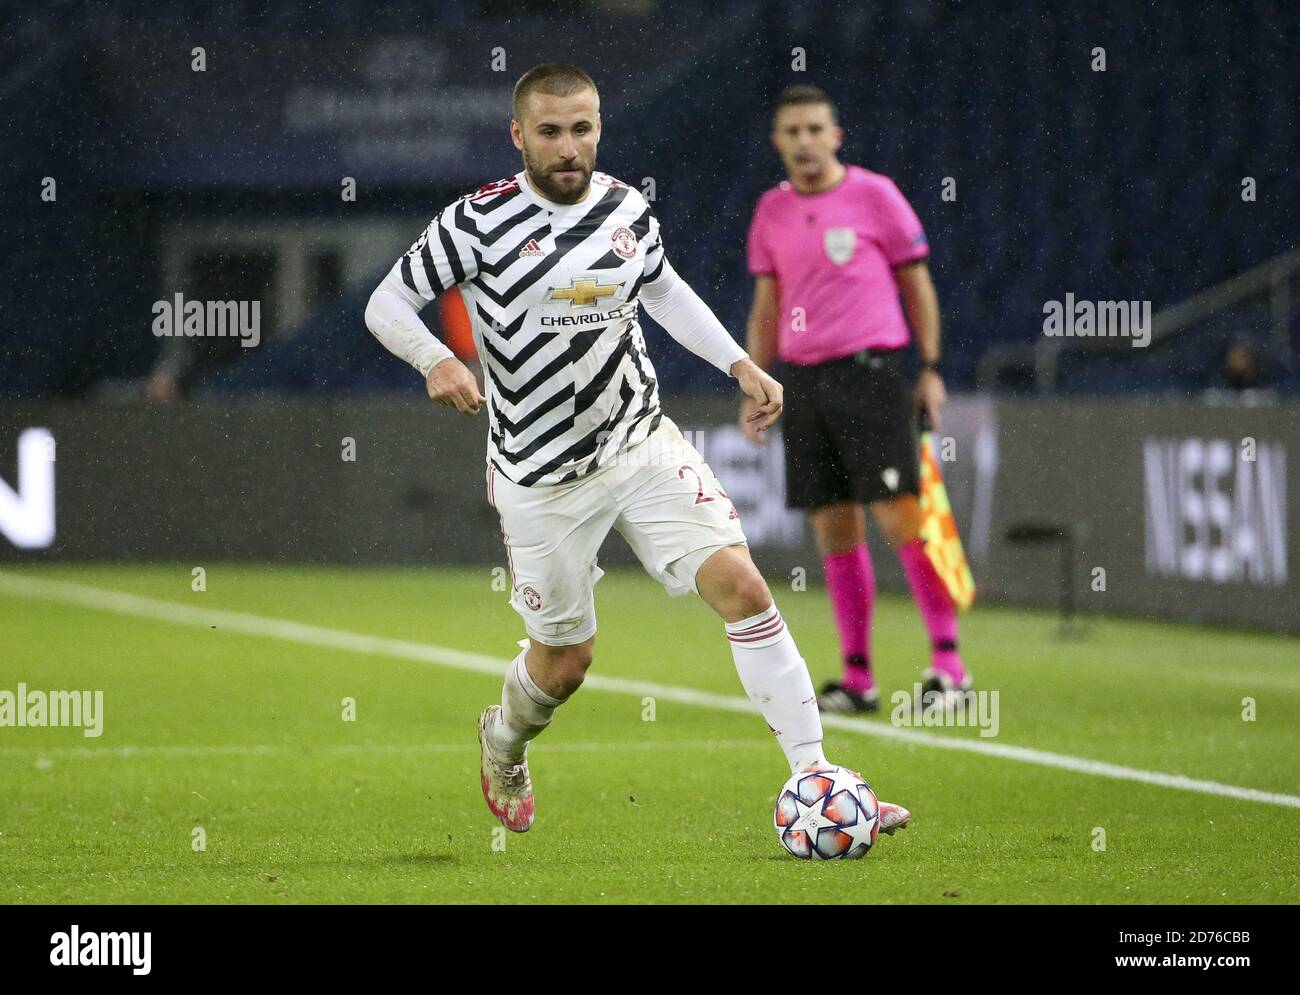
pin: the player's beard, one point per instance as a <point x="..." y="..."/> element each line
<point x="561" y="189"/>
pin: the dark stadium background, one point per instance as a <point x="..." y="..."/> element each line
<point x="1121" y="184"/>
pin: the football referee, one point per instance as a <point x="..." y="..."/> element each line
<point x="831" y="250"/>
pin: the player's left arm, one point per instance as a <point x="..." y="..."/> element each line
<point x="921" y="304"/>
<point x="670" y="301"/>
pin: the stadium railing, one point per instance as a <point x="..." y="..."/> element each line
<point x="1186" y="340"/>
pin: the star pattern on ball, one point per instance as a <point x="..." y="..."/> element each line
<point x="811" y="820"/>
<point x="859" y="832"/>
<point x="831" y="798"/>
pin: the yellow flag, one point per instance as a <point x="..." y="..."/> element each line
<point x="939" y="531"/>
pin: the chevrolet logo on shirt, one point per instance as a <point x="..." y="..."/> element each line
<point x="583" y="291"/>
<point x="626" y="310"/>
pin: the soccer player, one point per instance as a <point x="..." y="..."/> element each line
<point x="831" y="249"/>
<point x="552" y="263"/>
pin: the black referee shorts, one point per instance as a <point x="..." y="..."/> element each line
<point x="848" y="430"/>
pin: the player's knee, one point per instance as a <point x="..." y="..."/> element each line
<point x="751" y="593"/>
<point x="569" y="667"/>
<point x="568" y="678"/>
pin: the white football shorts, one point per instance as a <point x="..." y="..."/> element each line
<point x="659" y="494"/>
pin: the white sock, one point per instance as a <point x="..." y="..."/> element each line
<point x="525" y="711"/>
<point x="776" y="679"/>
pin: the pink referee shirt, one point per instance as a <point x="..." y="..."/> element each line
<point x="833" y="254"/>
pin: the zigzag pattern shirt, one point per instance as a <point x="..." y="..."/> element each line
<point x="551" y="290"/>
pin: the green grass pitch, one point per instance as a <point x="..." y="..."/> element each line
<point x="242" y="735"/>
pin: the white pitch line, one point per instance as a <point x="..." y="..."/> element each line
<point x="346" y="749"/>
<point x="138" y="606"/>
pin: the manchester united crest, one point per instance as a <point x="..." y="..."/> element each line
<point x="624" y="240"/>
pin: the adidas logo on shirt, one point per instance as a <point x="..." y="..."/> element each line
<point x="531" y="249"/>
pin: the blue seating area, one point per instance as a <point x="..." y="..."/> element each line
<point x="1123" y="184"/>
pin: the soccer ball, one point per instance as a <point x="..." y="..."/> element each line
<point x="829" y="813"/>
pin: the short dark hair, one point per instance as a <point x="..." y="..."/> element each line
<point x="553" y="78"/>
<point x="795" y="96"/>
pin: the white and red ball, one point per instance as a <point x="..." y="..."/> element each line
<point x="828" y="813"/>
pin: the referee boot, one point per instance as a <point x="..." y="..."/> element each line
<point x="835" y="697"/>
<point x="940" y="692"/>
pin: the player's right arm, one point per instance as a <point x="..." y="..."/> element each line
<point x="440" y="258"/>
